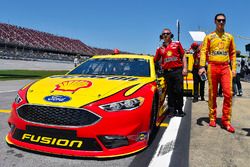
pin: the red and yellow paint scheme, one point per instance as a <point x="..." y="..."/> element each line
<point x="106" y="107"/>
<point x="188" y="81"/>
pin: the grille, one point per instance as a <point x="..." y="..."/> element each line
<point x="57" y="115"/>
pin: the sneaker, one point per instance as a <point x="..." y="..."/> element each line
<point x="195" y="100"/>
<point x="228" y="127"/>
<point x="202" y="99"/>
<point x="212" y="123"/>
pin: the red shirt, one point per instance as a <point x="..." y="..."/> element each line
<point x="170" y="55"/>
<point x="196" y="56"/>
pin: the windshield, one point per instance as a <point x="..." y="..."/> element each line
<point x="114" y="66"/>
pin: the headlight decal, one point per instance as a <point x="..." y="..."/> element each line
<point x="18" y="99"/>
<point x="129" y="104"/>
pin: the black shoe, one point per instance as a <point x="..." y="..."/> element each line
<point x="171" y="112"/>
<point x="195" y="100"/>
<point x="202" y="99"/>
<point x="175" y="113"/>
<point x="181" y="114"/>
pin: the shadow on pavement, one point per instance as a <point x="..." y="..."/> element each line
<point x="206" y="119"/>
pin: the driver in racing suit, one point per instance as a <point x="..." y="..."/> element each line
<point x="219" y="47"/>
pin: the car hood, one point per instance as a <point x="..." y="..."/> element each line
<point x="76" y="91"/>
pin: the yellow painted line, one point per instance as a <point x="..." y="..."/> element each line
<point x="7" y="111"/>
<point x="164" y="125"/>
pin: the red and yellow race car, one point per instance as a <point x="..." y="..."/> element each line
<point x="108" y="106"/>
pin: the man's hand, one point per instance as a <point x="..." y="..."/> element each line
<point x="234" y="73"/>
<point x="184" y="72"/>
<point x="202" y="70"/>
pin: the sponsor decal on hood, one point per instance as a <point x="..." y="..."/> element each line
<point x="73" y="85"/>
<point x="81" y="91"/>
<point x="57" y="98"/>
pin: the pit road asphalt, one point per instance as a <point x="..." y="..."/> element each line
<point x="208" y="147"/>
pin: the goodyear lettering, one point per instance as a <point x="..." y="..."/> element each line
<point x="52" y="141"/>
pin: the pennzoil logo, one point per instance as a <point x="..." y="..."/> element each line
<point x="52" y="141"/>
<point x="73" y="85"/>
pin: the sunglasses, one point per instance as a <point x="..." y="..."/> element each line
<point x="221" y="20"/>
<point x="168" y="33"/>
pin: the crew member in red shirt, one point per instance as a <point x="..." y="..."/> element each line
<point x="174" y="64"/>
<point x="199" y="85"/>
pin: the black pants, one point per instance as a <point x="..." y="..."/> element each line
<point x="174" y="81"/>
<point x="238" y="83"/>
<point x="198" y="82"/>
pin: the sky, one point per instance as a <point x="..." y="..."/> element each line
<point x="129" y="25"/>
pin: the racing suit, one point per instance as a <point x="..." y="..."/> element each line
<point x="171" y="61"/>
<point x="220" y="50"/>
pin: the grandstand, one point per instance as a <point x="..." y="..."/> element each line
<point x="28" y="44"/>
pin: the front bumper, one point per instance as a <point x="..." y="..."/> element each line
<point x="112" y="136"/>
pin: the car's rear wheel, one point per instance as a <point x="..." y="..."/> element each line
<point x="153" y="119"/>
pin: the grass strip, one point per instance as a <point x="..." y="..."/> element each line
<point x="27" y="74"/>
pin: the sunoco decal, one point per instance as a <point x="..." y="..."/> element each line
<point x="57" y="98"/>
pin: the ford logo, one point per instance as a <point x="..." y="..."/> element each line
<point x="57" y="98"/>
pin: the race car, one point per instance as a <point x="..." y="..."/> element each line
<point x="106" y="107"/>
<point x="188" y="81"/>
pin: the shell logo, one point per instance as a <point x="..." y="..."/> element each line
<point x="169" y="53"/>
<point x="221" y="45"/>
<point x="73" y="85"/>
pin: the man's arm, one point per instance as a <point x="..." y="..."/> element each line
<point x="157" y="55"/>
<point x="184" y="61"/>
<point x="203" y="54"/>
<point x="232" y="56"/>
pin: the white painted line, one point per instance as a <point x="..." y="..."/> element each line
<point x="7" y="91"/>
<point x="165" y="148"/>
